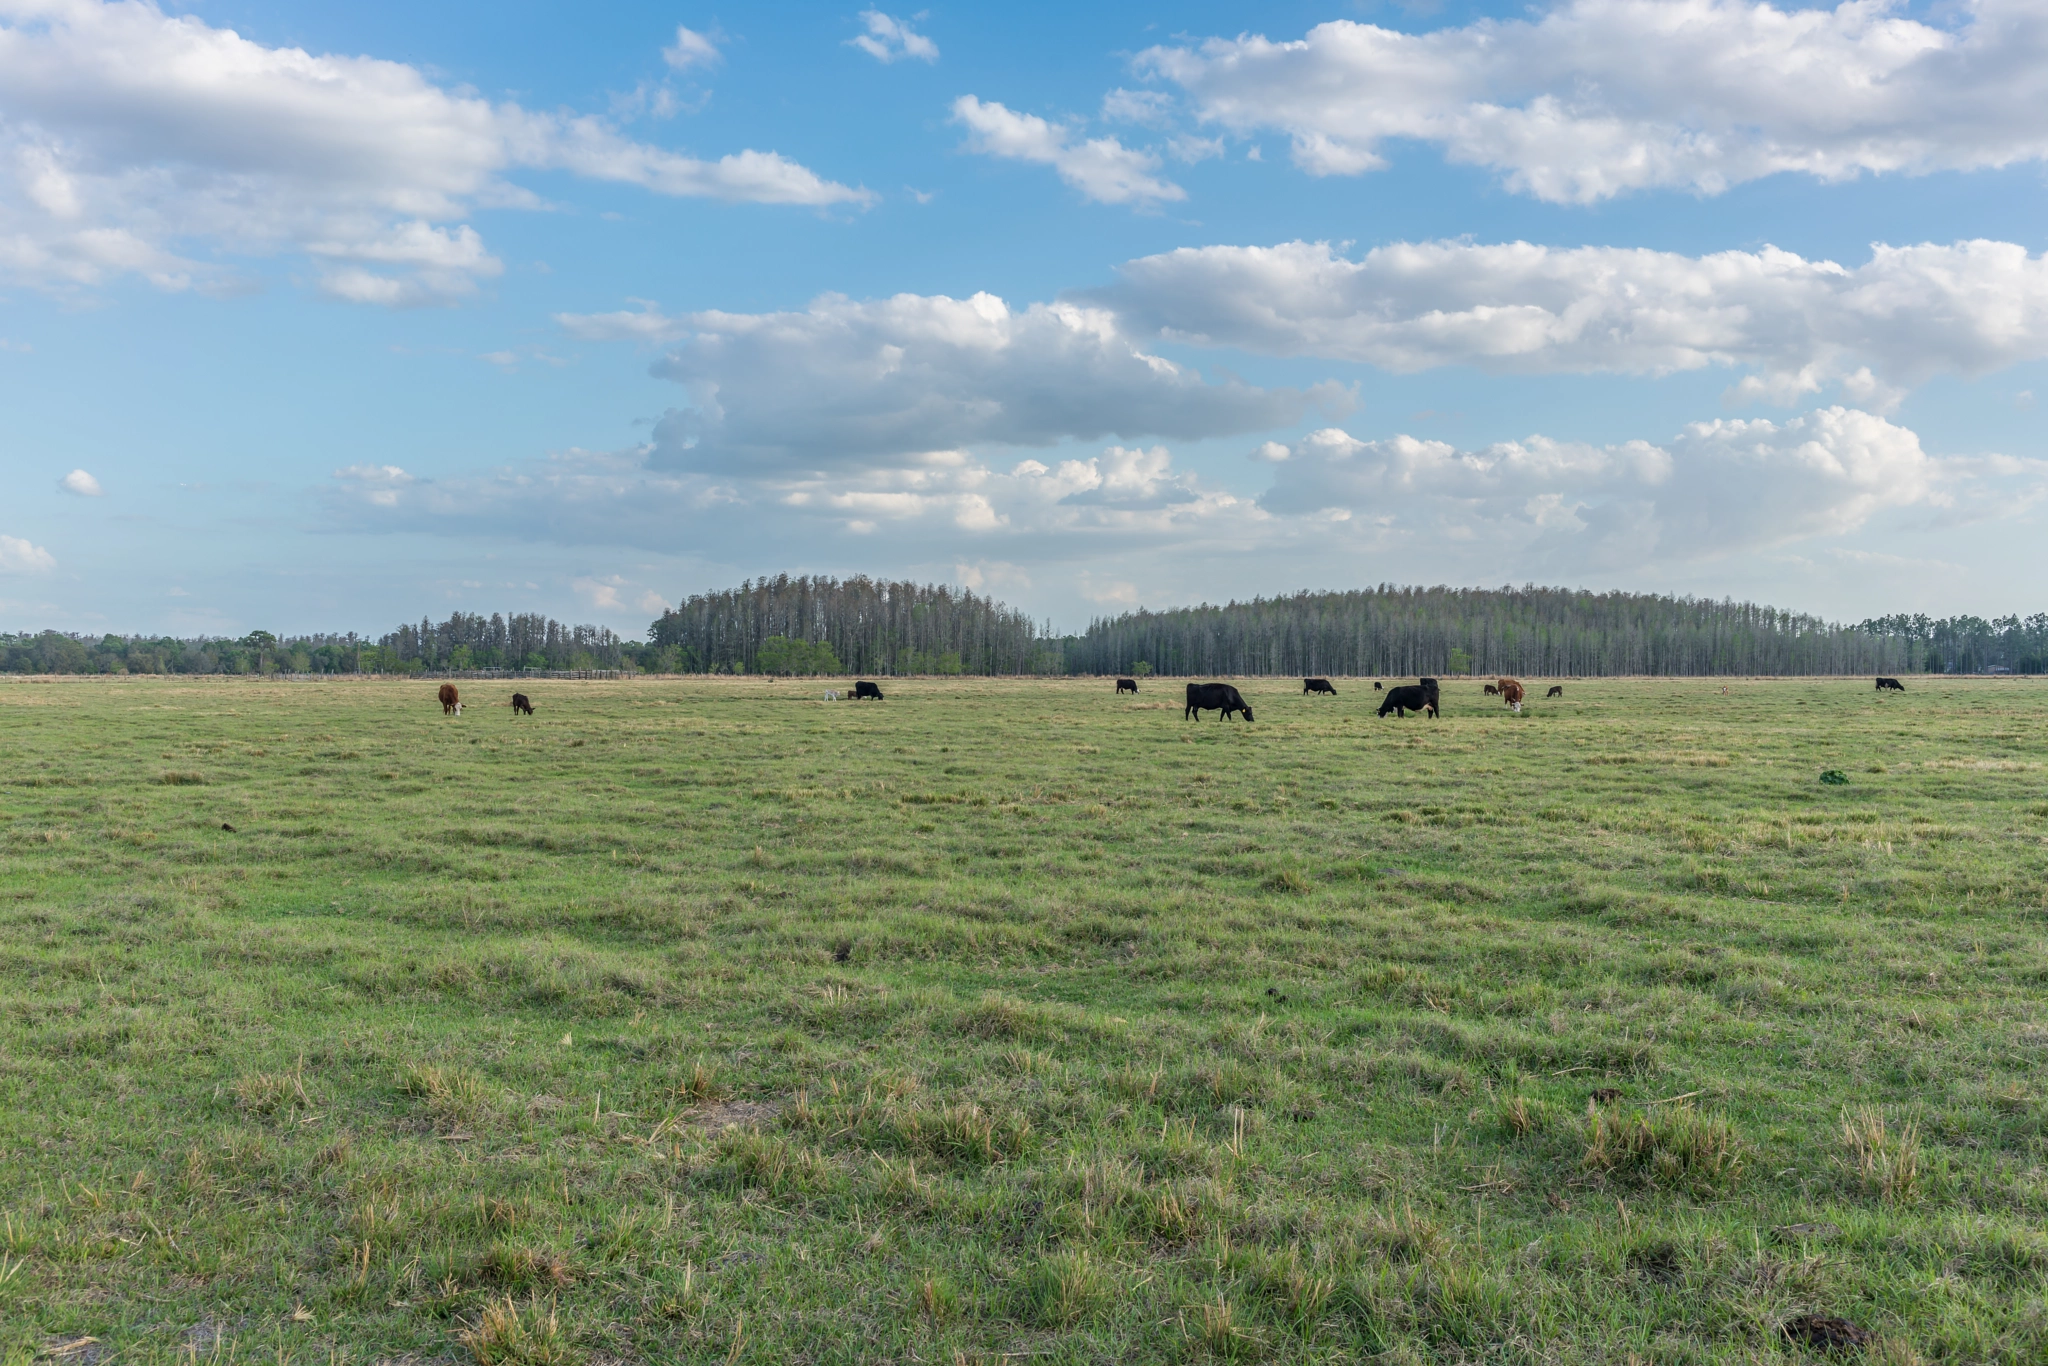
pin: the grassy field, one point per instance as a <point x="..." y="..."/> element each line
<point x="1016" y="1021"/>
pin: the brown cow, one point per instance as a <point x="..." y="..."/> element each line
<point x="1511" y="692"/>
<point x="451" y="700"/>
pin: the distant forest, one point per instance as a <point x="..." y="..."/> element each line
<point x="824" y="626"/>
<point x="870" y="626"/>
<point x="1543" y="632"/>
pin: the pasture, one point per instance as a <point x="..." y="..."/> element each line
<point x="1017" y="1021"/>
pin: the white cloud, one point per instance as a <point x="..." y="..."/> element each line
<point x="1599" y="97"/>
<point x="82" y="484"/>
<point x="936" y="505"/>
<point x="889" y="39"/>
<point x="378" y="485"/>
<point x="691" y="49"/>
<point x="1151" y="108"/>
<point x="136" y="142"/>
<point x="18" y="556"/>
<point x="849" y="383"/>
<point x="1102" y="169"/>
<point x="600" y="594"/>
<point x="646" y="324"/>
<point x="1718" y="488"/>
<point x="1905" y="314"/>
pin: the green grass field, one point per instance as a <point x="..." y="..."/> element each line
<point x="1014" y="1021"/>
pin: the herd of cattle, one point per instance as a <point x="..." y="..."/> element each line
<point x="1423" y="696"/>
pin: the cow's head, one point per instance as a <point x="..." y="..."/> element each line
<point x="1247" y="713"/>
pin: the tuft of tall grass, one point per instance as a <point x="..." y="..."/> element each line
<point x="268" y="1093"/>
<point x="1885" y="1160"/>
<point x="1065" y="1287"/>
<point x="451" y="1094"/>
<point x="1676" y="1147"/>
<point x="509" y="1334"/>
<point x="1218" y="1328"/>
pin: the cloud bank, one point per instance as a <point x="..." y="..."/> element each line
<point x="848" y="383"/>
<point x="1718" y="488"/>
<point x="1600" y="97"/>
<point x="1906" y="314"/>
<point x="131" y="139"/>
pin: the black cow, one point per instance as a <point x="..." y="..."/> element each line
<point x="1412" y="697"/>
<point x="1322" y="685"/>
<point x="866" y="689"/>
<point x="1218" y="696"/>
<point x="521" y="704"/>
<point x="1890" y="685"/>
<point x="1492" y="691"/>
<point x="1124" y="685"/>
<point x="1556" y="690"/>
<point x="1375" y="685"/>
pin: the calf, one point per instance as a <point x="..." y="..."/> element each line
<point x="1492" y="691"/>
<point x="1556" y="690"/>
<point x="1317" y="685"/>
<point x="1124" y="685"/>
<point x="1890" y="685"/>
<point x="1375" y="685"/>
<point x="521" y="704"/>
<point x="1221" y="697"/>
<point x="866" y="689"/>
<point x="451" y="700"/>
<point x="1420" y="697"/>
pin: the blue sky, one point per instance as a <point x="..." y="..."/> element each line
<point x="325" y="317"/>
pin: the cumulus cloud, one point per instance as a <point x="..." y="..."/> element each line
<point x="848" y="383"/>
<point x="137" y="142"/>
<point x="890" y="39"/>
<point x="1905" y="314"/>
<point x="80" y="483"/>
<point x="1717" y="488"/>
<point x="1102" y="169"/>
<point x="1599" y="97"/>
<point x="19" y="556"/>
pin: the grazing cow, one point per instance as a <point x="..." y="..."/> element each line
<point x="1890" y="685"/>
<point x="1556" y="690"/>
<point x="1322" y="685"/>
<point x="866" y="689"/>
<point x="1511" y="693"/>
<point x="1375" y="685"/>
<point x="451" y="700"/>
<point x="1223" y="698"/>
<point x="1420" y="697"/>
<point x="1124" y="685"/>
<point x="520" y="703"/>
<point x="1492" y="691"/>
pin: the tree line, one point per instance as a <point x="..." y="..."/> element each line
<point x="464" y="641"/>
<point x="867" y="626"/>
<point x="1968" y="645"/>
<point x="1542" y="632"/>
<point x="815" y="625"/>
